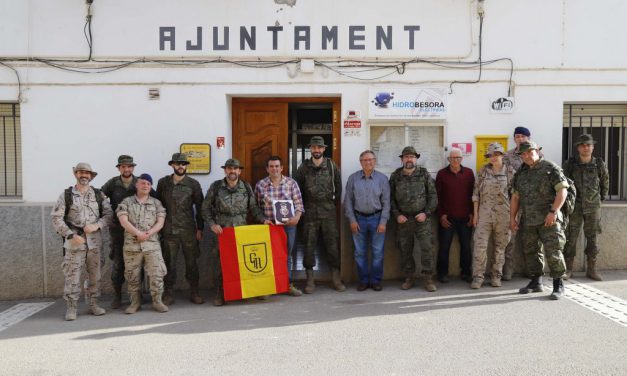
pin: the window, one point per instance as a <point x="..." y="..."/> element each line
<point x="607" y="123"/>
<point x="10" y="151"/>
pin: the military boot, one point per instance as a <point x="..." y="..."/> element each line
<point x="117" y="297"/>
<point x="135" y="303"/>
<point x="476" y="283"/>
<point x="310" y="287"/>
<point x="569" y="267"/>
<point x="591" y="269"/>
<point x="194" y="297"/>
<point x="495" y="280"/>
<point x="94" y="308"/>
<point x="294" y="291"/>
<point x="168" y="297"/>
<point x="219" y="299"/>
<point x="337" y="281"/>
<point x="508" y="272"/>
<point x="157" y="304"/>
<point x="409" y="281"/>
<point x="558" y="289"/>
<point x="428" y="283"/>
<point x="70" y="313"/>
<point x="535" y="285"/>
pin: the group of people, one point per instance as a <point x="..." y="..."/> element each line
<point x="516" y="198"/>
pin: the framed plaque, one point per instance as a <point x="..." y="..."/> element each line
<point x="283" y="210"/>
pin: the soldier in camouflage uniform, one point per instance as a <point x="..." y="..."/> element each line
<point x="83" y="239"/>
<point x="227" y="204"/>
<point x="592" y="182"/>
<point x="320" y="183"/>
<point x="142" y="217"/>
<point x="413" y="201"/>
<point x="539" y="191"/>
<point x="491" y="215"/>
<point x="182" y="198"/>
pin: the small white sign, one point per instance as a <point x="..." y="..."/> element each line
<point x="503" y="105"/>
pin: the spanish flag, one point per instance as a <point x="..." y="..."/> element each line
<point x="254" y="261"/>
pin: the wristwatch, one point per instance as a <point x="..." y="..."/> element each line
<point x="69" y="237"/>
<point x="553" y="211"/>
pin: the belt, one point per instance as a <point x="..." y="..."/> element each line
<point x="368" y="215"/>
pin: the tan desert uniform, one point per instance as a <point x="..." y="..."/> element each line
<point x="147" y="253"/>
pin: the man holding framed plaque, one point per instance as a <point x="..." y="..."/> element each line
<point x="280" y="200"/>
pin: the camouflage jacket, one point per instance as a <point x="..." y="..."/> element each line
<point x="536" y="187"/>
<point x="592" y="181"/>
<point x="180" y="200"/>
<point x="513" y="159"/>
<point x="412" y="194"/>
<point x="492" y="190"/>
<point x="84" y="211"/>
<point x="321" y="187"/>
<point x="115" y="190"/>
<point x="229" y="207"/>
<point x="143" y="216"/>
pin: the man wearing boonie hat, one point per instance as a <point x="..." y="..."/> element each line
<point x="540" y="188"/>
<point x="592" y="181"/>
<point x="182" y="198"/>
<point x="80" y="213"/>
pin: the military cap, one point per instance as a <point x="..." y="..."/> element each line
<point x="146" y="177"/>
<point x="317" y="141"/>
<point x="179" y="158"/>
<point x="82" y="166"/>
<point x="125" y="160"/>
<point x="522" y="130"/>
<point x="409" y="150"/>
<point x="494" y="147"/>
<point x="526" y="146"/>
<point x="585" y="139"/>
<point x="232" y="162"/>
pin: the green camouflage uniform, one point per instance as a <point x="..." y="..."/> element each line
<point x="84" y="211"/>
<point x="536" y="187"/>
<point x="147" y="253"/>
<point x="492" y="192"/>
<point x="228" y="207"/>
<point x="592" y="184"/>
<point x="321" y="187"/>
<point x="181" y="223"/>
<point x="411" y="195"/>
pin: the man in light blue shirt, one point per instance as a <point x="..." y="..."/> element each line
<point x="367" y="207"/>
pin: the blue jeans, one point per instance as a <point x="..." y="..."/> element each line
<point x="290" y="231"/>
<point x="460" y="227"/>
<point x="368" y="234"/>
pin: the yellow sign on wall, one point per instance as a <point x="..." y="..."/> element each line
<point x="483" y="141"/>
<point x="199" y="157"/>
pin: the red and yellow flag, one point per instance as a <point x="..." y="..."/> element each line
<point x="254" y="261"/>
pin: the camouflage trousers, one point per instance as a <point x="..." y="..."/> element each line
<point x="553" y="239"/>
<point x="326" y="228"/>
<point x="500" y="228"/>
<point x="407" y="235"/>
<point x="170" y="247"/>
<point x="154" y="266"/>
<point x="73" y="261"/>
<point x="116" y="255"/>
<point x="591" y="227"/>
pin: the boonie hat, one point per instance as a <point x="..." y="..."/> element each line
<point x="494" y="147"/>
<point x="82" y="166"/>
<point x="146" y="177"/>
<point x="232" y="162"/>
<point x="527" y="145"/>
<point x="409" y="150"/>
<point x="585" y="139"/>
<point x="317" y="141"/>
<point x="125" y="160"/>
<point x="179" y="158"/>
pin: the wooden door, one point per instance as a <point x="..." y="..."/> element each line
<point x="259" y="131"/>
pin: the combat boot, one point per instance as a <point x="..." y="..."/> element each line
<point x="310" y="287"/>
<point x="94" y="308"/>
<point x="294" y="291"/>
<point x="558" y="289"/>
<point x="428" y="283"/>
<point x="194" y="297"/>
<point x="157" y="304"/>
<point x="117" y="297"/>
<point x="70" y="313"/>
<point x="569" y="267"/>
<point x="535" y="285"/>
<point x="168" y="297"/>
<point x="508" y="272"/>
<point x="409" y="281"/>
<point x="476" y="283"/>
<point x="219" y="299"/>
<point x="495" y="280"/>
<point x="591" y="269"/>
<point x="337" y="281"/>
<point x="135" y="303"/>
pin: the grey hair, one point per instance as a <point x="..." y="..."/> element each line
<point x="451" y="150"/>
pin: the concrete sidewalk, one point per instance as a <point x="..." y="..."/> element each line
<point x="453" y="331"/>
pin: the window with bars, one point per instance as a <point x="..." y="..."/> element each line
<point x="10" y="151"/>
<point x="607" y="123"/>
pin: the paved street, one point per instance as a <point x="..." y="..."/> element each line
<point x="451" y="332"/>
